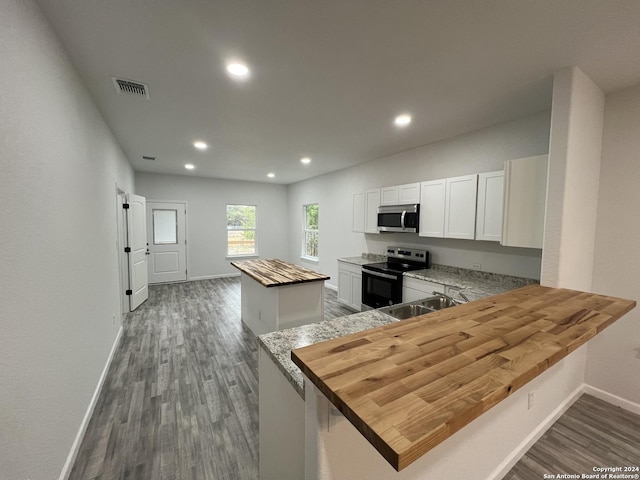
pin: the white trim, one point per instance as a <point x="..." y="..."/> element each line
<point x="75" y="447"/>
<point x="210" y="277"/>
<point x="534" y="436"/>
<point x="331" y="287"/>
<point x="508" y="463"/>
<point x="309" y="259"/>
<point x="240" y="257"/>
<point x="628" y="405"/>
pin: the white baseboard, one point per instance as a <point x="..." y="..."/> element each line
<point x="75" y="447"/>
<point x="613" y="399"/>
<point x="532" y="438"/>
<point x="330" y="287"/>
<point x="211" y="277"/>
<point x="508" y="463"/>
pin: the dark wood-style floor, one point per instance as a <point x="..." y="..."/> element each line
<point x="592" y="433"/>
<point x="180" y="400"/>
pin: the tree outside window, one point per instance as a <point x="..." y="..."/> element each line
<point x="241" y="230"/>
<point x="310" y="236"/>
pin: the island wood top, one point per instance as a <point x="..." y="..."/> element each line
<point x="410" y="385"/>
<point x="276" y="273"/>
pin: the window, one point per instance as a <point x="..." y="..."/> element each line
<point x="241" y="230"/>
<point x="310" y="235"/>
<point x="165" y="227"/>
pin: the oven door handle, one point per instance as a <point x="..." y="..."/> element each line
<point x="404" y="212"/>
<point x="379" y="274"/>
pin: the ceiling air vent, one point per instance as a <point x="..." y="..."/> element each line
<point x="131" y="87"/>
<point x="147" y="157"/>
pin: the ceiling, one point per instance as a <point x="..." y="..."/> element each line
<point x="328" y="77"/>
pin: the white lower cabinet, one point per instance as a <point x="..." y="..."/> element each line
<point x="350" y="285"/>
<point x="414" y="289"/>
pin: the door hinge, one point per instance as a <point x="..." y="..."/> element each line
<point x="125" y="206"/>
<point x="127" y="249"/>
<point x="129" y="292"/>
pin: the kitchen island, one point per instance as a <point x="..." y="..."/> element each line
<point x="407" y="387"/>
<point x="276" y="295"/>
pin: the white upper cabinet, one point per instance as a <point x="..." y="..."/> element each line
<point x="389" y="196"/>
<point x="490" y="201"/>
<point x="525" y="194"/>
<point x="372" y="202"/>
<point x="358" y="212"/>
<point x="460" y="207"/>
<point x="409" y="193"/>
<point x="400" y="194"/>
<point x="432" y="197"/>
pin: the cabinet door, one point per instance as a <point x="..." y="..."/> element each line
<point x="358" y="212"/>
<point x="432" y="197"/>
<point x="524" y="201"/>
<point x="344" y="286"/>
<point x="409" y="193"/>
<point x="490" y="202"/>
<point x="389" y="196"/>
<point x="372" y="202"/>
<point x="356" y="291"/>
<point x="414" y="289"/>
<point x="460" y="207"/>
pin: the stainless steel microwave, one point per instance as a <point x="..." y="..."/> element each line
<point x="398" y="218"/>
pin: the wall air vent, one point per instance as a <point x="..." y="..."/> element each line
<point x="147" y="157"/>
<point x="131" y="87"/>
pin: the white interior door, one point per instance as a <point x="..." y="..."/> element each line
<point x="166" y="232"/>
<point x="137" y="245"/>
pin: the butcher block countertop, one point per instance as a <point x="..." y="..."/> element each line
<point x="276" y="273"/>
<point x="410" y="385"/>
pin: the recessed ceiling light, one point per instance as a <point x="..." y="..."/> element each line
<point x="402" y="120"/>
<point x="189" y="166"/>
<point x="238" y="70"/>
<point x="200" y="145"/>
<point x="305" y="160"/>
<point x="271" y="174"/>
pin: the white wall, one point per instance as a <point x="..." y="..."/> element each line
<point x="480" y="151"/>
<point x="59" y="292"/>
<point x="574" y="173"/>
<point x="207" y="200"/>
<point x="614" y="357"/>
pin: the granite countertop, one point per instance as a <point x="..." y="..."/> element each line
<point x="278" y="345"/>
<point x="475" y="284"/>
<point x="364" y="259"/>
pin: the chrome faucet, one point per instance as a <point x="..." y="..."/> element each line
<point x="451" y="299"/>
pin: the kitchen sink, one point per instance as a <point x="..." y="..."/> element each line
<point x="437" y="303"/>
<point x="403" y="311"/>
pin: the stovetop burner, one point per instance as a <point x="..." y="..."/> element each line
<point x="401" y="259"/>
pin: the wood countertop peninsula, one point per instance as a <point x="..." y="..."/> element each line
<point x="276" y="273"/>
<point x="410" y="385"/>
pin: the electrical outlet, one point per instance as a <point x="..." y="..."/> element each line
<point x="476" y="266"/>
<point x="530" y="400"/>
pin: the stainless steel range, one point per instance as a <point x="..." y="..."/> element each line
<point x="382" y="282"/>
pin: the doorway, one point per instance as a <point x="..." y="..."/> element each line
<point x="132" y="250"/>
<point x="167" y="241"/>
